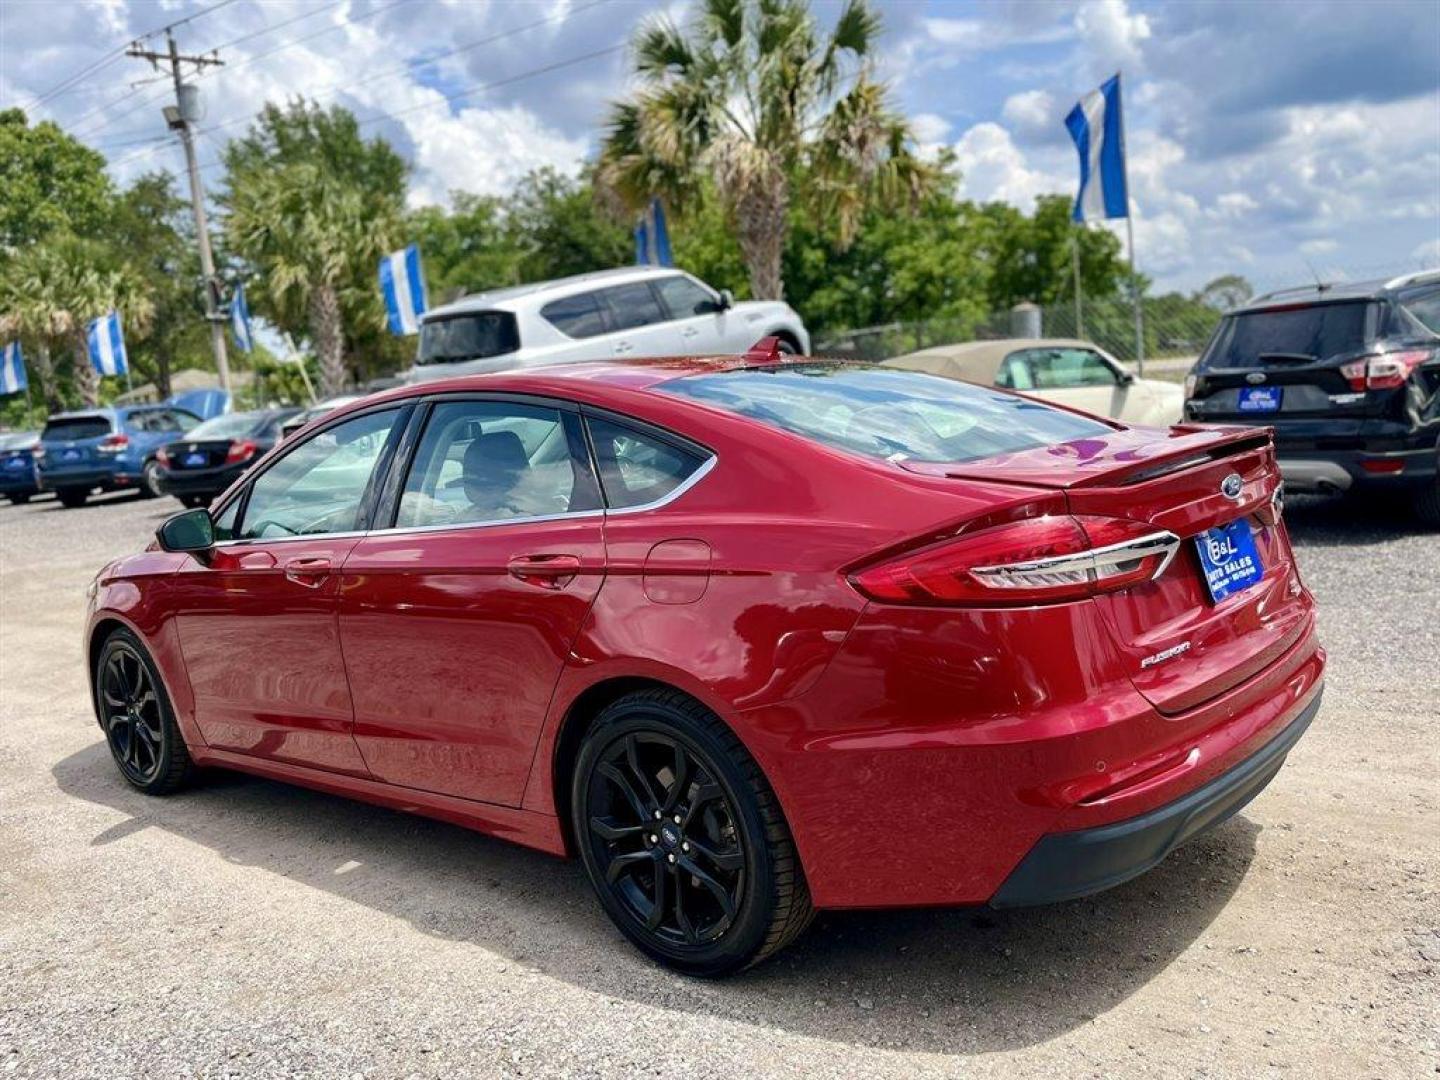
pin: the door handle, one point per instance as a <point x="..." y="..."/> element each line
<point x="689" y="331"/>
<point x="624" y="347"/>
<point x="310" y="571"/>
<point x="546" y="571"/>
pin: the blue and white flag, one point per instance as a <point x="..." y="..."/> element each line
<point x="107" y="345"/>
<point x="652" y="239"/>
<point x="12" y="370"/>
<point x="403" y="286"/>
<point x="240" y="320"/>
<point x="1098" y="129"/>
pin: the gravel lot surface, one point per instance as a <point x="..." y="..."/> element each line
<point x="248" y="928"/>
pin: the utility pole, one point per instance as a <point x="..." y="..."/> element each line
<point x="180" y="116"/>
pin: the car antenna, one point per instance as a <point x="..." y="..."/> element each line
<point x="1320" y="286"/>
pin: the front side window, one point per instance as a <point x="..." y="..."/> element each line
<point x="684" y="298"/>
<point x="632" y="306"/>
<point x="887" y="414"/>
<point x="486" y="461"/>
<point x="637" y="468"/>
<point x="580" y="316"/>
<point x="1058" y="369"/>
<point x="476" y="335"/>
<point x="319" y="487"/>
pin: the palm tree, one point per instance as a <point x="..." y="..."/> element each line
<point x="49" y="294"/>
<point x="752" y="102"/>
<point x="313" y="237"/>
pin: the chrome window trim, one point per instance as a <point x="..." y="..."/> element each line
<point x="536" y="519"/>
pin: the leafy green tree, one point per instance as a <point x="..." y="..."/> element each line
<point x="311" y="208"/>
<point x="49" y="182"/>
<point x="51" y="291"/>
<point x="751" y="98"/>
<point x="149" y="233"/>
<point x="467" y="248"/>
<point x="1030" y="255"/>
<point x="556" y="223"/>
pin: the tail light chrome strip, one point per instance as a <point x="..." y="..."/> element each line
<point x="1081" y="565"/>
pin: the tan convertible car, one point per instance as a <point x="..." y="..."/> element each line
<point x="1070" y="372"/>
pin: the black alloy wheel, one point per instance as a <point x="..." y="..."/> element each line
<point x="683" y="839"/>
<point x="136" y="716"/>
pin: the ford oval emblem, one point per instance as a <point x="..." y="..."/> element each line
<point x="1232" y="486"/>
<point x="1255" y="378"/>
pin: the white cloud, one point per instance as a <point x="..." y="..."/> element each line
<point x="1111" y="37"/>
<point x="992" y="167"/>
<point x="1428" y="253"/>
<point x="929" y="128"/>
<point x="1233" y="205"/>
<point x="1321" y="246"/>
<point x="1032" y="112"/>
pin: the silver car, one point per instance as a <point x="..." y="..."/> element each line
<point x="634" y="312"/>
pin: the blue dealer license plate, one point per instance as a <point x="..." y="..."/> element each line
<point x="1229" y="558"/>
<point x="193" y="460"/>
<point x="1261" y="398"/>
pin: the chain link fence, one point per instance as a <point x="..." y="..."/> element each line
<point x="1177" y="327"/>
<point x="1174" y="333"/>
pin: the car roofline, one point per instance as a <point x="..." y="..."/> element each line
<point x="509" y="298"/>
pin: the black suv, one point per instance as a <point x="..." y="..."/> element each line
<point x="1347" y="375"/>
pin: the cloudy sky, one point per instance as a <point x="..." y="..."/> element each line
<point x="1265" y="137"/>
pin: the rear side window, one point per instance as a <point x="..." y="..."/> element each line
<point x="637" y="468"/>
<point x="1423" y="305"/>
<point x="77" y="427"/>
<point x="632" y="306"/>
<point x="887" y="414"/>
<point x="1290" y="335"/>
<point x="576" y="316"/>
<point x="1059" y="369"/>
<point x="476" y="335"/>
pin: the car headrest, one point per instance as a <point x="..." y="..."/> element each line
<point x="494" y="457"/>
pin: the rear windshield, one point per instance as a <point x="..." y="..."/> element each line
<point x="230" y="426"/>
<point x="77" y="427"/>
<point x="1289" y="335"/>
<point x="476" y="335"/>
<point x="887" y="414"/>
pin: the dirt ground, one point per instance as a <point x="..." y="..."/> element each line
<point x="248" y="928"/>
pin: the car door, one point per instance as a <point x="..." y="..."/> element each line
<point x="257" y="617"/>
<point x="639" y="325"/>
<point x="457" y="619"/>
<point x="1070" y="375"/>
<point x="699" y="318"/>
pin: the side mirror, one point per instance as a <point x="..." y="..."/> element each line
<point x="189" y="530"/>
<point x="1126" y="378"/>
<point x="727" y="299"/>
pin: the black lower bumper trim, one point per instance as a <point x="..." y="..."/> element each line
<point x="1064" y="866"/>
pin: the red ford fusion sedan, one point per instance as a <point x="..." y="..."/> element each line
<point x="750" y="638"/>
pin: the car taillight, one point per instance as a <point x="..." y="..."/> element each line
<point x="1056" y="557"/>
<point x="37" y="452"/>
<point x="240" y="450"/>
<point x="1192" y="384"/>
<point x="163" y="457"/>
<point x="1387" y="371"/>
<point x="113" y="444"/>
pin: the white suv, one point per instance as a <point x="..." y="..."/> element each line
<point x="634" y="312"/>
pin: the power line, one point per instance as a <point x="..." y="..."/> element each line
<point x="116" y="53"/>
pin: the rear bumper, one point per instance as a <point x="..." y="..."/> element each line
<point x="22" y="483"/>
<point x="1331" y="471"/>
<point x="62" y="479"/>
<point x="1064" y="866"/>
<point x="200" y="482"/>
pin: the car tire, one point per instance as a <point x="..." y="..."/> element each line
<point x="19" y="499"/>
<point x="716" y="891"/>
<point x="72" y="497"/>
<point x="137" y="718"/>
<point x="150" y="480"/>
